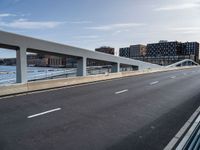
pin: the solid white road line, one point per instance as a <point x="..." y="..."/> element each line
<point x="43" y="113"/>
<point x="156" y="82"/>
<point x="119" y="92"/>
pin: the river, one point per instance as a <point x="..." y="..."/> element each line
<point x="8" y="73"/>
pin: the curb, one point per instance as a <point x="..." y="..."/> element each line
<point x="185" y="132"/>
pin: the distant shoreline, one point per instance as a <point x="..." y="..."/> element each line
<point x="6" y="72"/>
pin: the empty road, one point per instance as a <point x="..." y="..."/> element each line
<point x="134" y="113"/>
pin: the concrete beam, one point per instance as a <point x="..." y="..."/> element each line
<point x="21" y="65"/>
<point x="81" y="66"/>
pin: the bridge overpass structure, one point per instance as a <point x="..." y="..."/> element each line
<point x="23" y="44"/>
<point x="185" y="62"/>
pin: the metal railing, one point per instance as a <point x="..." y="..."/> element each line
<point x="193" y="142"/>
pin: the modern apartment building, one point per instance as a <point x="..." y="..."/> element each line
<point x="163" y="52"/>
<point x="133" y="51"/>
<point x="137" y="50"/>
<point x="124" y="52"/>
<point x="191" y="48"/>
<point x="174" y="49"/>
<point x="164" y="48"/>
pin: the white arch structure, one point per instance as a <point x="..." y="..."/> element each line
<point x="185" y="62"/>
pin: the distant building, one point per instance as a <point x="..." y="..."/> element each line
<point x="133" y="51"/>
<point x="56" y="61"/>
<point x="39" y="60"/>
<point x="162" y="53"/>
<point x="124" y="52"/>
<point x="108" y="50"/>
<point x="164" y="48"/>
<point x="9" y="61"/>
<point x="137" y="50"/>
<point x="191" y="48"/>
<point x="45" y="60"/>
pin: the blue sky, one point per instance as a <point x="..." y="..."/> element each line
<point x="94" y="23"/>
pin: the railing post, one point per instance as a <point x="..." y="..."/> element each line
<point x="21" y="65"/>
<point x="81" y="66"/>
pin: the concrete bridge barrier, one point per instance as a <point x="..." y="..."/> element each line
<point x="56" y="83"/>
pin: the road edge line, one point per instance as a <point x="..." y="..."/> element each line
<point x="183" y="131"/>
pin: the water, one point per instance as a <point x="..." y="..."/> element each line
<point x="8" y="73"/>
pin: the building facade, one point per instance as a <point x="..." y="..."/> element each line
<point x="164" y="48"/>
<point x="108" y="50"/>
<point x="191" y="48"/>
<point x="162" y="53"/>
<point x="45" y="60"/>
<point x="124" y="52"/>
<point x="133" y="51"/>
<point x="187" y="50"/>
<point x="137" y="50"/>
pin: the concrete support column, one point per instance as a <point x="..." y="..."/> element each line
<point x="115" y="68"/>
<point x="81" y="66"/>
<point x="21" y="66"/>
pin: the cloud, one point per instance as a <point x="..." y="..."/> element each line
<point x="6" y="15"/>
<point x="178" y="7"/>
<point x="186" y="30"/>
<point x="80" y="22"/>
<point x="120" y="31"/>
<point x="26" y="24"/>
<point x="115" y="26"/>
<point x="87" y="41"/>
<point x="87" y="37"/>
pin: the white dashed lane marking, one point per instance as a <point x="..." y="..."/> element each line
<point x="172" y="77"/>
<point x="43" y="113"/>
<point x="120" y="92"/>
<point x="153" y="83"/>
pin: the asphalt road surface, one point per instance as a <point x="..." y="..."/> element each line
<point x="135" y="113"/>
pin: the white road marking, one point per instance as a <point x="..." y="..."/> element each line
<point x="173" y="77"/>
<point x="156" y="82"/>
<point x="119" y="92"/>
<point x="185" y="74"/>
<point x="43" y="113"/>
